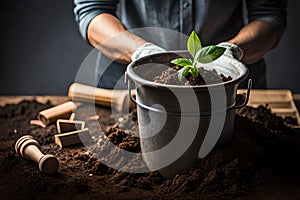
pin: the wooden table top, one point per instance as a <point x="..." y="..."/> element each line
<point x="55" y="100"/>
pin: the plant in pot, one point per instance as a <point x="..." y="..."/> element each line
<point x="185" y="102"/>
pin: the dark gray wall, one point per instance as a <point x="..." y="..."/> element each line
<point x="284" y="61"/>
<point x="41" y="49"/>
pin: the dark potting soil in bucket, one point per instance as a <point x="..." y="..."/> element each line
<point x="180" y="123"/>
<point x="170" y="76"/>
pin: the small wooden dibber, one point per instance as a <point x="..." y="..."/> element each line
<point x="62" y="111"/>
<point x="29" y="148"/>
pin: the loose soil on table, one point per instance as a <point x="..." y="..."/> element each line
<point x="263" y="150"/>
<point x="205" y="77"/>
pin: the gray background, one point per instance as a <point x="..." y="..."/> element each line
<point x="41" y="49"/>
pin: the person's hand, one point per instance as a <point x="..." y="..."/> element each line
<point x="146" y="49"/>
<point x="232" y="50"/>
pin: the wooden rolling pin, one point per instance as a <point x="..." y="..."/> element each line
<point x="118" y="99"/>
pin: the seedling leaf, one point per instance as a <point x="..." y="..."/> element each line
<point x="193" y="44"/>
<point x="182" y="73"/>
<point x="194" y="71"/>
<point x="209" y="53"/>
<point x="182" y="62"/>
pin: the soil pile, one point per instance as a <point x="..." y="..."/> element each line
<point x="250" y="159"/>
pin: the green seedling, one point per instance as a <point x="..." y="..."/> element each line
<point x="203" y="55"/>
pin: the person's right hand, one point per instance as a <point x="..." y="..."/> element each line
<point x="146" y="49"/>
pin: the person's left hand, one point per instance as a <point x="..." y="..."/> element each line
<point x="232" y="50"/>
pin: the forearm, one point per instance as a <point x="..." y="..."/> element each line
<point x="107" y="33"/>
<point x="255" y="39"/>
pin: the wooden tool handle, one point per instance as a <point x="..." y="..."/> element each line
<point x="118" y="99"/>
<point x="62" y="111"/>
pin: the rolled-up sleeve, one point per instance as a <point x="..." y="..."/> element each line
<point x="86" y="10"/>
<point x="272" y="11"/>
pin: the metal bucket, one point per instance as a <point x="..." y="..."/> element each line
<point x="178" y="125"/>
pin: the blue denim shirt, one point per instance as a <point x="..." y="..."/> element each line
<point x="213" y="20"/>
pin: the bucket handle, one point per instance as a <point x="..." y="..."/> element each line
<point x="246" y="97"/>
<point x="231" y="107"/>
